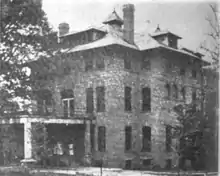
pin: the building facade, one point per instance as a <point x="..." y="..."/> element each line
<point x="112" y="92"/>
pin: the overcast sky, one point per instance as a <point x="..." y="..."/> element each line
<point x="186" y="19"/>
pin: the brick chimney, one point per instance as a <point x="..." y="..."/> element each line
<point x="128" y="17"/>
<point x="63" y="29"/>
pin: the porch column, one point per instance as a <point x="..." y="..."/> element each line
<point x="27" y="143"/>
<point x="87" y="143"/>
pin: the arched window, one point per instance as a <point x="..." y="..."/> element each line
<point x="168" y="91"/>
<point x="175" y="91"/>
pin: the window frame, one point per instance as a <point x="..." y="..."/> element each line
<point x="100" y="101"/>
<point x="127" y="64"/>
<point x="168" y="131"/>
<point x="89" y="109"/>
<point x="101" y="138"/>
<point x="97" y="63"/>
<point x="146" y="140"/>
<point x="88" y="64"/>
<point x="127" y="99"/>
<point x="128" y="138"/>
<point x="69" y="112"/>
<point x="146" y="99"/>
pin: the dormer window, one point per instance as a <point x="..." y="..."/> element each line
<point x="166" y="37"/>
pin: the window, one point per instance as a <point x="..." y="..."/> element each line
<point x="168" y="164"/>
<point x="128" y="138"/>
<point x="146" y="96"/>
<point x="127" y="95"/>
<point x="100" y="64"/>
<point x="101" y="138"/>
<point x="168" y="138"/>
<point x="146" y="139"/>
<point x="193" y="96"/>
<point x="44" y="101"/>
<point x="128" y="164"/>
<point x="89" y="100"/>
<point x="127" y="63"/>
<point x="146" y="162"/>
<point x="71" y="149"/>
<point x="100" y="93"/>
<point x="183" y="93"/>
<point x="92" y="136"/>
<point x="146" y="64"/>
<point x="168" y="92"/>
<point x="194" y="100"/>
<point x="68" y="102"/>
<point x="175" y="91"/>
<point x="194" y="73"/>
<point x="182" y="72"/>
<point x="88" y="64"/>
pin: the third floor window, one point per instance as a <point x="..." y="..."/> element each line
<point x="100" y="63"/>
<point x="127" y="63"/>
<point x="88" y="64"/>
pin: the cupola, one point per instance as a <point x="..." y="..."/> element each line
<point x="113" y="20"/>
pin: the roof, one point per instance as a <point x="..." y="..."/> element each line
<point x="107" y="40"/>
<point x="113" y="17"/>
<point x="101" y="28"/>
<point x="164" y="32"/>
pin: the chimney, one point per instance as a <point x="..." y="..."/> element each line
<point x="128" y="15"/>
<point x="63" y="29"/>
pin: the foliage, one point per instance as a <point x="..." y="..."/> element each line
<point x="25" y="36"/>
<point x="192" y="134"/>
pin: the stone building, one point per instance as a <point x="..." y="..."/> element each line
<point x="113" y="92"/>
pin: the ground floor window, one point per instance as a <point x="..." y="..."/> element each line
<point x="128" y="164"/>
<point x="58" y="149"/>
<point x="146" y="162"/>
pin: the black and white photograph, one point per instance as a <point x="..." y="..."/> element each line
<point x="109" y="88"/>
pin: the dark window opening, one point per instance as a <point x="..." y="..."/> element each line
<point x="183" y="92"/>
<point x="100" y="92"/>
<point x="168" y="164"/>
<point x="128" y="138"/>
<point x="127" y="63"/>
<point x="100" y="64"/>
<point x="89" y="100"/>
<point x="127" y="95"/>
<point x="146" y="96"/>
<point x="146" y="162"/>
<point x="168" y="138"/>
<point x="128" y="164"/>
<point x="101" y="139"/>
<point x="146" y="64"/>
<point x="88" y="64"/>
<point x="182" y="71"/>
<point x="146" y="140"/>
<point x="168" y="91"/>
<point x="92" y="136"/>
<point x="194" y="96"/>
<point x="175" y="91"/>
<point x="194" y="74"/>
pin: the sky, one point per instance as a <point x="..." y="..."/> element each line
<point x="184" y="18"/>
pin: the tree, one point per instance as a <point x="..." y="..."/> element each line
<point x="191" y="134"/>
<point x="211" y="46"/>
<point x="25" y="36"/>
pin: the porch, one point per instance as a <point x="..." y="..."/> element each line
<point x="68" y="140"/>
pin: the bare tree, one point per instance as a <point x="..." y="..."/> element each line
<point x="211" y="45"/>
